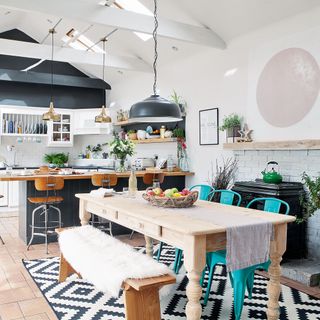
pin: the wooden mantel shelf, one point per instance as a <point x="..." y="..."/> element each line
<point x="274" y="145"/>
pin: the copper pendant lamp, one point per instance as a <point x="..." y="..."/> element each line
<point x="103" y="117"/>
<point x="51" y="114"/>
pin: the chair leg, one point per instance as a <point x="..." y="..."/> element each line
<point x="159" y="251"/>
<point x="211" y="272"/>
<point x="238" y="298"/>
<point x="46" y="227"/>
<point x="179" y="262"/>
<point x="203" y="276"/>
<point x="176" y="261"/>
<point x="32" y="225"/>
<point x="1" y="240"/>
<point x="131" y="234"/>
<point x="250" y="283"/>
<point x="110" y="228"/>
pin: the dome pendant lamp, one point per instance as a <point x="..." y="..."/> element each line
<point x="51" y="114"/>
<point x="155" y="108"/>
<point x="102" y="116"/>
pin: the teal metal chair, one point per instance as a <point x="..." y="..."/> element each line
<point x="244" y="278"/>
<point x="227" y="197"/>
<point x="204" y="191"/>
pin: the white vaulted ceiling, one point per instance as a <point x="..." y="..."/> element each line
<point x="188" y="25"/>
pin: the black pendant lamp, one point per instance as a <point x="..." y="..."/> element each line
<point x="155" y="108"/>
<point x="51" y="114"/>
<point x="102" y="116"/>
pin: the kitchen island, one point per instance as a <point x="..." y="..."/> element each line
<point x="73" y="184"/>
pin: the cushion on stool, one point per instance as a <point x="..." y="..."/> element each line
<point x="44" y="200"/>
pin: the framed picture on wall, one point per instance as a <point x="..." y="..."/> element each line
<point x="209" y="126"/>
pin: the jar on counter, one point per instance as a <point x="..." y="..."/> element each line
<point x="162" y="131"/>
<point x="170" y="163"/>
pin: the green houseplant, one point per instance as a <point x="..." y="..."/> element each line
<point x="56" y="159"/>
<point x="179" y="101"/>
<point x="231" y="124"/>
<point x="311" y="203"/>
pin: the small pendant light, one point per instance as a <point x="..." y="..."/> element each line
<point x="51" y="114"/>
<point x="102" y="117"/>
<point x="155" y="108"/>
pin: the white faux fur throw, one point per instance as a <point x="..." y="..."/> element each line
<point x="105" y="261"/>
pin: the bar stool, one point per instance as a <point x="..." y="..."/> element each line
<point x="45" y="206"/>
<point x="1" y="196"/>
<point x="103" y="180"/>
<point x="154" y="179"/>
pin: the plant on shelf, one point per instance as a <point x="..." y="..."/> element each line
<point x="95" y="150"/>
<point x="310" y="203"/>
<point x="231" y="124"/>
<point x="179" y="101"/>
<point x="121" y="148"/>
<point x="223" y="175"/>
<point x="56" y="159"/>
<point x="132" y="134"/>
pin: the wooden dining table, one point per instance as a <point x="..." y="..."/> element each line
<point x="194" y="236"/>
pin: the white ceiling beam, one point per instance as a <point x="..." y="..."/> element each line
<point x="42" y="51"/>
<point x="91" y="12"/>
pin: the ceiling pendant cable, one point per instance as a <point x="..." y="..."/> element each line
<point x="155" y="108"/>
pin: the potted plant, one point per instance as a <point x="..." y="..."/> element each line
<point x="132" y="135"/>
<point x="223" y="175"/>
<point x="179" y="101"/>
<point x="56" y="159"/>
<point x="231" y="124"/>
<point x="311" y="203"/>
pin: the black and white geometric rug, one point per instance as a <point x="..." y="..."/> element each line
<point x="78" y="300"/>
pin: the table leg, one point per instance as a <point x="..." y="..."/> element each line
<point x="194" y="261"/>
<point x="277" y="249"/>
<point x="149" y="246"/>
<point x="84" y="215"/>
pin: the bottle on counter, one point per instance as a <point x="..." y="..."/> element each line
<point x="162" y="131"/>
<point x="132" y="183"/>
<point x="170" y="163"/>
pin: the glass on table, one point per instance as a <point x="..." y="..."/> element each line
<point x="125" y="191"/>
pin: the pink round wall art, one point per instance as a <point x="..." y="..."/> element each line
<point x="288" y="87"/>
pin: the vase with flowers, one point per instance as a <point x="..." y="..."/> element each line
<point x="121" y="148"/>
<point x="183" y="162"/>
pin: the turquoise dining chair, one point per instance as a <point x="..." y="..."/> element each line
<point x="227" y="197"/>
<point x="243" y="278"/>
<point x="204" y="191"/>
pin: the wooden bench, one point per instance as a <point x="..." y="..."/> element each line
<point x="141" y="296"/>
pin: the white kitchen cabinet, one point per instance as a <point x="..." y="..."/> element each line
<point x="60" y="133"/>
<point x="13" y="194"/>
<point x="4" y="193"/>
<point x="83" y="121"/>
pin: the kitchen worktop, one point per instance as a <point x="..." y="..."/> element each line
<point x="86" y="175"/>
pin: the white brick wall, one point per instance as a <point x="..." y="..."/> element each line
<point x="292" y="164"/>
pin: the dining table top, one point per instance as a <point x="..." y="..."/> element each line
<point x="175" y="219"/>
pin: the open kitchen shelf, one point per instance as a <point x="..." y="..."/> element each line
<point x="274" y="145"/>
<point x="158" y="140"/>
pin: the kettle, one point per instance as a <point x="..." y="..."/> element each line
<point x="272" y="175"/>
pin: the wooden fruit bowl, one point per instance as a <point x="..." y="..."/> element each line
<point x="165" y="202"/>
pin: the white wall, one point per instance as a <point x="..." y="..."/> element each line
<point x="201" y="80"/>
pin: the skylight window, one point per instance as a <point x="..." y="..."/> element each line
<point x="78" y="41"/>
<point x="134" y="6"/>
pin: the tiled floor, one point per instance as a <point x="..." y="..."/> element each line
<point x="20" y="298"/>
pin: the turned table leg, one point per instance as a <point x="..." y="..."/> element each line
<point x="194" y="261"/>
<point x="149" y="246"/>
<point x="84" y="215"/>
<point x="277" y="249"/>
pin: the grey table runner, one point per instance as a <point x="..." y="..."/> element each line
<point x="248" y="237"/>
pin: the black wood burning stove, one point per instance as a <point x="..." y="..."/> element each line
<point x="292" y="193"/>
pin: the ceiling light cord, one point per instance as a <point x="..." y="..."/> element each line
<point x="154" y="34"/>
<point x="52" y="31"/>
<point x="104" y="66"/>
